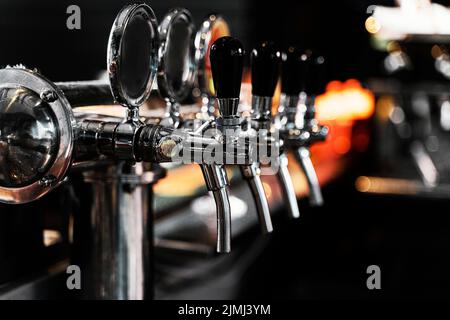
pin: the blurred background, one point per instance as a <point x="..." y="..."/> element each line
<point x="35" y="33"/>
<point x="384" y="169"/>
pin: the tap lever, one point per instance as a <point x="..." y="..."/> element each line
<point x="315" y="82"/>
<point x="302" y="155"/>
<point x="265" y="61"/>
<point x="227" y="61"/>
<point x="292" y="74"/>
<point x="315" y="73"/>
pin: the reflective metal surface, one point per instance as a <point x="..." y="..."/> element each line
<point x="119" y="262"/>
<point x="302" y="155"/>
<point x="177" y="64"/>
<point x="289" y="195"/>
<point x="36" y="135"/>
<point x="217" y="182"/>
<point x="252" y="175"/>
<point x="28" y="137"/>
<point x="133" y="54"/>
<point x="261" y="108"/>
<point x="211" y="29"/>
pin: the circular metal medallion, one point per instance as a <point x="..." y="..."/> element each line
<point x="133" y="54"/>
<point x="176" y="72"/>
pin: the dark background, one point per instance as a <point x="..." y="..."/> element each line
<point x="34" y="32"/>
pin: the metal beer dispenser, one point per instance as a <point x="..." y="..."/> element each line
<point x="296" y="114"/>
<point x="176" y="76"/>
<point x="265" y="64"/>
<point x="49" y="136"/>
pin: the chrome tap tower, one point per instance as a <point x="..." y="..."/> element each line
<point x="47" y="136"/>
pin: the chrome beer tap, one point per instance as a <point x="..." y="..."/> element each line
<point x="314" y="85"/>
<point x="48" y="140"/>
<point x="296" y="116"/>
<point x="263" y="80"/>
<point x="265" y="64"/>
<point x="43" y="139"/>
<point x="227" y="57"/>
<point x="178" y="63"/>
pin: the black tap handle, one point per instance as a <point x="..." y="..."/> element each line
<point x="227" y="61"/>
<point x="265" y="60"/>
<point x="315" y="82"/>
<point x="316" y="77"/>
<point x="293" y="71"/>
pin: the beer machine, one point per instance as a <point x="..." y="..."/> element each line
<point x="93" y="138"/>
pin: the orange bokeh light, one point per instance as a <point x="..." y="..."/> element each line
<point x="345" y="101"/>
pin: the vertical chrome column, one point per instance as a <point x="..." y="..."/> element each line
<point x="118" y="261"/>
<point x="121" y="229"/>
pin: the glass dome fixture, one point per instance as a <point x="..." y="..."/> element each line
<point x="36" y="135"/>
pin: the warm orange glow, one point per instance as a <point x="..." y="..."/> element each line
<point x="384" y="107"/>
<point x="183" y="181"/>
<point x="334" y="86"/>
<point x="345" y="101"/>
<point x="342" y="144"/>
<point x="372" y="25"/>
<point x="387" y="185"/>
<point x="362" y="184"/>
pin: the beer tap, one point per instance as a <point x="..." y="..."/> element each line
<point x="296" y="115"/>
<point x="265" y="64"/>
<point x="227" y="57"/>
<point x="44" y="139"/>
<point x="314" y="85"/>
<point x="175" y="79"/>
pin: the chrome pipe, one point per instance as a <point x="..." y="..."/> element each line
<point x="302" y="155"/>
<point x="251" y="175"/>
<point x="84" y="93"/>
<point x="217" y="182"/>
<point x="121" y="237"/>
<point x="287" y="186"/>
<point x="223" y="209"/>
